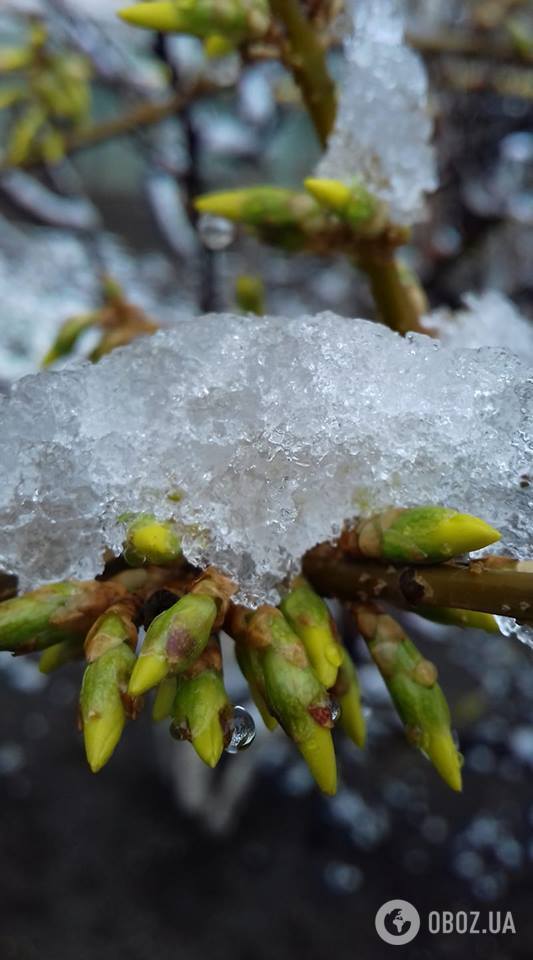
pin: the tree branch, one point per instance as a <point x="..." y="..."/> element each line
<point x="305" y="57"/>
<point x="141" y="115"/>
<point x="497" y="585"/>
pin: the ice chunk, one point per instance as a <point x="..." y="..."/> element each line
<point x="383" y="125"/>
<point x="274" y="430"/>
<point x="488" y="320"/>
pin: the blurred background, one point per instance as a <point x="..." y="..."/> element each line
<point x="157" y="857"/>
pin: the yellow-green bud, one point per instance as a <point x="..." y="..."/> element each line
<point x="151" y="541"/>
<point x="250" y="294"/>
<point x="102" y="708"/>
<point x="201" y="708"/>
<point x="353" y="204"/>
<point x="412" y="684"/>
<point x="418" y="535"/>
<point x="68" y="335"/>
<point x="309" y="617"/>
<point x="173" y="641"/>
<point x="348" y="694"/>
<point x="237" y="20"/>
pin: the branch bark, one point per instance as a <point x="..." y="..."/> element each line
<point x="497" y="585"/>
<point x="305" y="57"/>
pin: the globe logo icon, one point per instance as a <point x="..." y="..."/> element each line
<point x="397" y="922"/>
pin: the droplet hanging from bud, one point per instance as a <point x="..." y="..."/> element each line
<point x="335" y="710"/>
<point x="242" y="730"/>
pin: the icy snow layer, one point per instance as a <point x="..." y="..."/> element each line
<point x="383" y="126"/>
<point x="488" y="320"/>
<point x="274" y="431"/>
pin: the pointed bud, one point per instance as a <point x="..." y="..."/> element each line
<point x="54" y="613"/>
<point x="60" y="653"/>
<point x="152" y="541"/>
<point x="348" y="694"/>
<point x="250" y="665"/>
<point x="23" y="133"/>
<point x="469" y="619"/>
<point x="217" y="46"/>
<point x="235" y="19"/>
<point x="102" y="708"/>
<point x="309" y="617"/>
<point x="442" y="752"/>
<point x="164" y="699"/>
<point x="68" y="336"/>
<point x="417" y="535"/>
<point x="201" y="706"/>
<point x="115" y="626"/>
<point x="11" y="95"/>
<point x="14" y="58"/>
<point x="319" y="754"/>
<point x="412" y="683"/>
<point x="173" y="641"/>
<point x="250" y="294"/>
<point x="293" y="693"/>
<point x="259" y="206"/>
<point x="353" y="204"/>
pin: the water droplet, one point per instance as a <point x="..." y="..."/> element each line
<point x="216" y="233"/>
<point x="242" y="730"/>
<point x="335" y="710"/>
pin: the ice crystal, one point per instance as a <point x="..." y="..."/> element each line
<point x="487" y="320"/>
<point x="383" y="125"/>
<point x="273" y="430"/>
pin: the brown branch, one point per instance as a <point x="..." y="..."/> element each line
<point x="141" y="115"/>
<point x="496" y="585"/>
<point x="456" y="43"/>
<point x="305" y="57"/>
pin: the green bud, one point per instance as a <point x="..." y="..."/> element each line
<point x="201" y="707"/>
<point x="309" y="617"/>
<point x="9" y="96"/>
<point x="115" y="626"/>
<point x="250" y="295"/>
<point x="348" y="694"/>
<point x="60" y="653"/>
<point x="412" y="684"/>
<point x="14" y="58"/>
<point x="236" y="19"/>
<point x="294" y="695"/>
<point x="164" y="699"/>
<point x="418" y="535"/>
<point x="470" y="619"/>
<point x="152" y="541"/>
<point x="260" y="206"/>
<point x="68" y="335"/>
<point x="53" y="613"/>
<point x="23" y="134"/>
<point x="353" y="204"/>
<point x="250" y="664"/>
<point x="102" y="709"/>
<point x="173" y="641"/>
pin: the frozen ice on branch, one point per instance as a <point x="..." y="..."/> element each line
<point x="383" y="125"/>
<point x="260" y="437"/>
<point x="488" y="319"/>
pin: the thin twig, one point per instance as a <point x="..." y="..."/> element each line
<point x="141" y="115"/>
